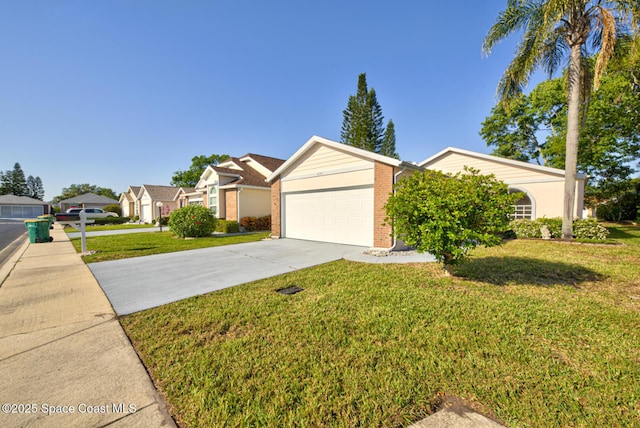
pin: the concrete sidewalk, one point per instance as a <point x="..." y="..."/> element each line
<point x="64" y="358"/>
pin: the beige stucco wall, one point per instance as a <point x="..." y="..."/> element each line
<point x="544" y="188"/>
<point x="255" y="202"/>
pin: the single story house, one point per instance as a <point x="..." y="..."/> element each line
<point x="88" y="200"/>
<point x="332" y="192"/>
<point x="148" y="198"/>
<point x="129" y="202"/>
<point x="12" y="206"/>
<point x="543" y="186"/>
<point x="235" y="188"/>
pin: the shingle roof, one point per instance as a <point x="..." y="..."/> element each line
<point x="268" y="162"/>
<point x="19" y="200"/>
<point x="161" y="193"/>
<point x="90" y="198"/>
<point x="249" y="176"/>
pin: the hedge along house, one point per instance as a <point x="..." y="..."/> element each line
<point x="543" y="186"/>
<point x="148" y="198"/>
<point x="332" y="192"/>
<point x="12" y="206"/>
<point x="236" y="187"/>
<point x="88" y="200"/>
<point x="129" y="202"/>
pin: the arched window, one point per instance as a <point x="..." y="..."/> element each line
<point x="524" y="206"/>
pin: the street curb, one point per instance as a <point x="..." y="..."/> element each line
<point x="8" y="266"/>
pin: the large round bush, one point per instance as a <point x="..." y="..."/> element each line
<point x="192" y="221"/>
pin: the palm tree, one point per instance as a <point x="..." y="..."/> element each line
<point x="551" y="28"/>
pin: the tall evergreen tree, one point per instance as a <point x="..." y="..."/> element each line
<point x="35" y="189"/>
<point x="17" y="180"/>
<point x="5" y="186"/>
<point x="363" y="122"/>
<point x="388" y="147"/>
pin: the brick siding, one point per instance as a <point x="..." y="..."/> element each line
<point x="382" y="188"/>
<point x="275" y="208"/>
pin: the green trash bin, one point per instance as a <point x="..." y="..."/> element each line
<point x="43" y="228"/>
<point x="33" y="228"/>
<point x="49" y="217"/>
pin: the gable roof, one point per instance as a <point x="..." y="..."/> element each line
<point x="511" y="162"/>
<point x="241" y="171"/>
<point x="315" y="140"/>
<point x="89" y="198"/>
<point x="158" y="193"/>
<point x="131" y="194"/>
<point x="19" y="200"/>
<point x="266" y="161"/>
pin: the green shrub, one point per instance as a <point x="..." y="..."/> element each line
<point x="252" y="224"/>
<point x="582" y="229"/>
<point x="164" y="220"/>
<point x="135" y="218"/>
<point x="589" y="229"/>
<point x="553" y="224"/>
<point x="524" y="228"/>
<point x="228" y="226"/>
<point x="192" y="221"/>
<point x="111" y="220"/>
<point x="448" y="215"/>
<point x="113" y="208"/>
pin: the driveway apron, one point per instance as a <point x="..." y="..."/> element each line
<point x="141" y="283"/>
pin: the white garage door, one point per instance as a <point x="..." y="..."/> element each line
<point x="145" y="213"/>
<point x="341" y="216"/>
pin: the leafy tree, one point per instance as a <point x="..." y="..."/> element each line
<point x="551" y="28"/>
<point x="514" y="130"/>
<point x="363" y="122"/>
<point x="80" y="189"/>
<point x="610" y="135"/>
<point x="190" y="177"/>
<point x="448" y="215"/>
<point x="35" y="189"/>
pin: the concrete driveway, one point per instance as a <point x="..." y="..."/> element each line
<point x="145" y="282"/>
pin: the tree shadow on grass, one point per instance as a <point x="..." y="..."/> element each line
<point x="525" y="271"/>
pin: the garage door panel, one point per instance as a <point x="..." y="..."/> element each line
<point x="342" y="216"/>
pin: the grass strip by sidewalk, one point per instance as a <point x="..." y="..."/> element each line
<point x="534" y="333"/>
<point x="114" y="247"/>
<point x="102" y="227"/>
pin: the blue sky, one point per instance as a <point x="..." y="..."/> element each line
<point x="117" y="93"/>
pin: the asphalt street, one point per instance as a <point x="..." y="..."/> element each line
<point x="10" y="231"/>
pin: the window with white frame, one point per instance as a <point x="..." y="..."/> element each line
<point x="523" y="209"/>
<point x="213" y="199"/>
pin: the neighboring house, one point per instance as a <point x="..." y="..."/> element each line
<point x="148" y="198"/>
<point x="88" y="200"/>
<point x="129" y="202"/>
<point x="182" y="196"/>
<point x="235" y="188"/>
<point x="543" y="186"/>
<point x="12" y="206"/>
<point x="332" y="192"/>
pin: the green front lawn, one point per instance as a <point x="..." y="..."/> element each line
<point x="114" y="247"/>
<point x="532" y="333"/>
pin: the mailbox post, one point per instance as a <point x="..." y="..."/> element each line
<point x="159" y="205"/>
<point x="83" y="231"/>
